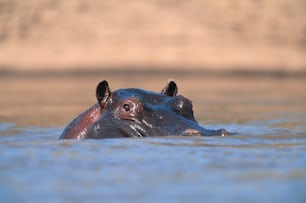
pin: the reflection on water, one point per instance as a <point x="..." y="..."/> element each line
<point x="265" y="162"/>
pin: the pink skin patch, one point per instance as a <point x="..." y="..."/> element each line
<point x="78" y="127"/>
<point x="192" y="132"/>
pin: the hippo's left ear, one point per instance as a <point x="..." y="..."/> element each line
<point x="102" y="93"/>
<point x="170" y="89"/>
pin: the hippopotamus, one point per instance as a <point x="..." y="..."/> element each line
<point x="137" y="113"/>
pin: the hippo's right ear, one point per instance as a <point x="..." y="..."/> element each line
<point x="170" y="89"/>
<point x="102" y="93"/>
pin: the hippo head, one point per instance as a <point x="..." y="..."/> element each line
<point x="139" y="113"/>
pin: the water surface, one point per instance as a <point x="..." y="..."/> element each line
<point x="265" y="162"/>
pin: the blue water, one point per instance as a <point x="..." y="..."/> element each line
<point x="268" y="167"/>
<point x="264" y="162"/>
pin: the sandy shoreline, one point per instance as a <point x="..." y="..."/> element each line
<point x="126" y="72"/>
<point x="223" y="36"/>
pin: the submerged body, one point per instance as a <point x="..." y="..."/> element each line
<point x="137" y="113"/>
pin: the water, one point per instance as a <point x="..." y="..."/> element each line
<point x="265" y="162"/>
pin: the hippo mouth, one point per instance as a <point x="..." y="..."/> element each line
<point x="137" y="131"/>
<point x="142" y="128"/>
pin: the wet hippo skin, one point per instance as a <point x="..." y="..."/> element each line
<point x="137" y="113"/>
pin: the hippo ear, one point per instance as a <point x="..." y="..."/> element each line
<point x="170" y="89"/>
<point x="102" y="93"/>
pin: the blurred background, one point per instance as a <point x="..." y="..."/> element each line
<point x="54" y="53"/>
<point x="90" y="35"/>
<point x="241" y="62"/>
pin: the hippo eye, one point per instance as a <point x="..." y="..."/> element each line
<point x="130" y="108"/>
<point x="126" y="107"/>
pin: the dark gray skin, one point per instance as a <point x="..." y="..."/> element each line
<point x="137" y="113"/>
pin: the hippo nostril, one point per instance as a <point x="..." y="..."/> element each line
<point x="191" y="132"/>
<point x="222" y="132"/>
